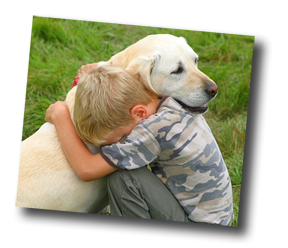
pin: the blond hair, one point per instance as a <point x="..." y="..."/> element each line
<point x="104" y="98"/>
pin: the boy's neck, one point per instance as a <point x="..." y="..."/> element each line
<point x="152" y="106"/>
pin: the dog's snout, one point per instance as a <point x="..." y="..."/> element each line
<point x="211" y="89"/>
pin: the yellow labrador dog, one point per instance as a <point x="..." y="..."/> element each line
<point x="163" y="63"/>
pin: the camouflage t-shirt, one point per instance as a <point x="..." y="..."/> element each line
<point x="183" y="153"/>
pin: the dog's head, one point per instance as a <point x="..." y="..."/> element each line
<point x="169" y="66"/>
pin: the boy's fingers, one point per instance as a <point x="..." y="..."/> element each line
<point x="85" y="68"/>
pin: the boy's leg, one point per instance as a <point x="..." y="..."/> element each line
<point x="139" y="193"/>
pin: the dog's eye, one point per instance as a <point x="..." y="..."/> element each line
<point x="179" y="70"/>
<point x="196" y="61"/>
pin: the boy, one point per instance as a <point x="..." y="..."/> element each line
<point x="177" y="144"/>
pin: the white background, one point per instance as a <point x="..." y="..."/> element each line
<point x="271" y="18"/>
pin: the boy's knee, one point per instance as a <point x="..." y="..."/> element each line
<point x="117" y="179"/>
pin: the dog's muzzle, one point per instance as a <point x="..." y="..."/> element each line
<point x="211" y="90"/>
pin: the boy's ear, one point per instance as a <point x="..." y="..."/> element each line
<point x="139" y="111"/>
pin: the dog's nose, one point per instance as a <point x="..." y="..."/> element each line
<point x="211" y="89"/>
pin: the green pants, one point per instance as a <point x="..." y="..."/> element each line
<point x="139" y="193"/>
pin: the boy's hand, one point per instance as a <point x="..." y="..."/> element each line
<point x="55" y="111"/>
<point x="86" y="68"/>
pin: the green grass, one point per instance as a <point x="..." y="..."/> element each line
<point x="60" y="47"/>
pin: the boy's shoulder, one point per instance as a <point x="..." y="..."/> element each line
<point x="171" y="109"/>
<point x="168" y="113"/>
<point x="168" y="103"/>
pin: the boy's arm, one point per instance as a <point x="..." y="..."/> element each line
<point x="86" y="165"/>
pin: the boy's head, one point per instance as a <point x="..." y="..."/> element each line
<point x="104" y="99"/>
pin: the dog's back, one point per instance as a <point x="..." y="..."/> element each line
<point x="46" y="180"/>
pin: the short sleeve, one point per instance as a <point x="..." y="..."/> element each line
<point x="140" y="149"/>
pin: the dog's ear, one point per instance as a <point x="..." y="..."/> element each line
<point x="141" y="68"/>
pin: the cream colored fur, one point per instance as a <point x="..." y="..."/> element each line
<point x="46" y="180"/>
